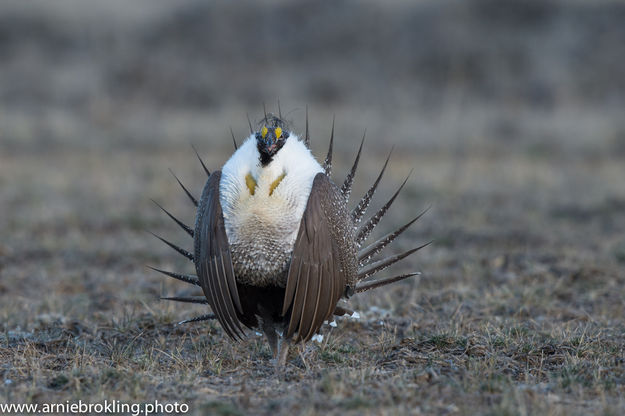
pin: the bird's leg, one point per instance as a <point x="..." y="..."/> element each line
<point x="282" y="355"/>
<point x="279" y="348"/>
<point x="272" y="339"/>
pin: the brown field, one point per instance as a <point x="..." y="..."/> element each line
<point x="511" y="117"/>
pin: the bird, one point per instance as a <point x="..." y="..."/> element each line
<point x="276" y="248"/>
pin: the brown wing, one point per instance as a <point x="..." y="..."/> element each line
<point x="317" y="275"/>
<point x="213" y="262"/>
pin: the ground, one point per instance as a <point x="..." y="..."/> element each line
<point x="520" y="306"/>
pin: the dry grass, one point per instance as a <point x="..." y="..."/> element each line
<point x="519" y="310"/>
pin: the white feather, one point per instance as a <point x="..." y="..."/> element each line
<point x="294" y="159"/>
<point x="264" y="223"/>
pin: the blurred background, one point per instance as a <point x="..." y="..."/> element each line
<point x="543" y="76"/>
<point x="511" y="113"/>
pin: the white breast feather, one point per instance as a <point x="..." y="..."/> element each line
<point x="262" y="228"/>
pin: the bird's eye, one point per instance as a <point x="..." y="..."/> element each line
<point x="278" y="132"/>
<point x="263" y="132"/>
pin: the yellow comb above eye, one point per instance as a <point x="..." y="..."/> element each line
<point x="278" y="132"/>
<point x="263" y="132"/>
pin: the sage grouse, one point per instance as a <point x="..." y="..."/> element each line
<point x="275" y="245"/>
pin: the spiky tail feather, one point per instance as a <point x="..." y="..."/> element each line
<point x="373" y="284"/>
<point x="188" y="299"/>
<point x="201" y="161"/>
<point x="380" y="265"/>
<point x="180" y="250"/>
<point x="182" y="225"/>
<point x="365" y="230"/>
<point x="187" y="278"/>
<point x="366" y="254"/>
<point x="327" y="163"/>
<point x="234" y="141"/>
<point x="206" y="317"/>
<point x="346" y="189"/>
<point x="191" y="279"/>
<point x="364" y="202"/>
<point x="307" y="134"/>
<point x="186" y="191"/>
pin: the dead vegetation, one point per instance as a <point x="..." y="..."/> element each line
<point x="517" y="145"/>
<point x="507" y="319"/>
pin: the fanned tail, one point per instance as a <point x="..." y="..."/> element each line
<point x="367" y="268"/>
<point x="368" y="265"/>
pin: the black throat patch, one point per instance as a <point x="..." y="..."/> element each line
<point x="266" y="155"/>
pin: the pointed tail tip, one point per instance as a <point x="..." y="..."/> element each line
<point x="234" y="141"/>
<point x="182" y="225"/>
<point x="250" y="123"/>
<point x="201" y="161"/>
<point x="200" y="318"/>
<point x="327" y="164"/>
<point x="373" y="284"/>
<point x="186" y="191"/>
<point x="349" y="180"/>
<point x="307" y="134"/>
<point x="186" y="299"/>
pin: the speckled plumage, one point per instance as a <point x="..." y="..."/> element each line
<point x="342" y="229"/>
<point x="275" y="245"/>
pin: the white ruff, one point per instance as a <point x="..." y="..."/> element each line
<point x="262" y="228"/>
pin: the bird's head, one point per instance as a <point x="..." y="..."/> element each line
<point x="270" y="138"/>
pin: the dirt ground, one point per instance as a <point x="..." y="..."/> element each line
<point x="510" y="115"/>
